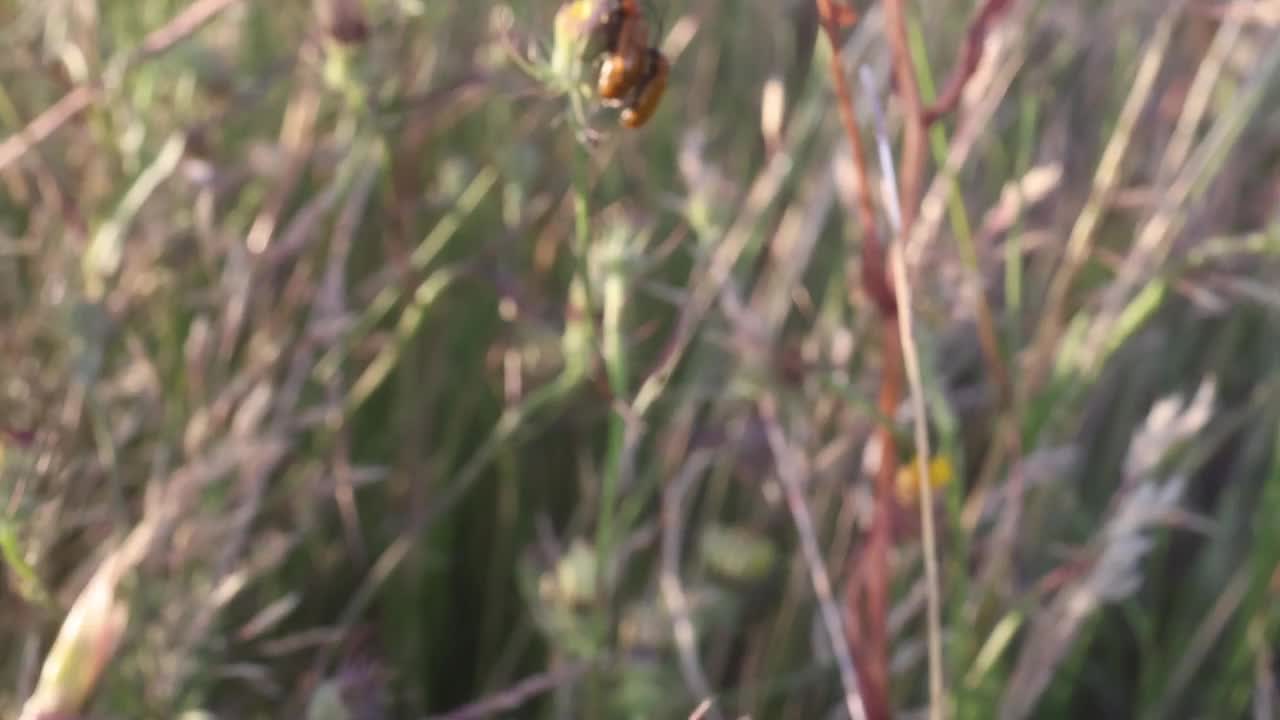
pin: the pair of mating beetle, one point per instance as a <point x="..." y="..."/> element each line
<point x="634" y="74"/>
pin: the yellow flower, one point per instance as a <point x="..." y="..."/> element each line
<point x="908" y="480"/>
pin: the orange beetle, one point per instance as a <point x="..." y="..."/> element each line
<point x="615" y="15"/>
<point x="626" y="43"/>
<point x="633" y="75"/>
<point x="645" y="96"/>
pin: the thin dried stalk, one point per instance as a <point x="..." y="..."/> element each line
<point x="793" y="489"/>
<point x="672" y="588"/>
<point x="911" y="178"/>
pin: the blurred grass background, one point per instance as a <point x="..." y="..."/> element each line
<point x="360" y="388"/>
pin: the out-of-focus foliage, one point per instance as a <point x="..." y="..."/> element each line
<point x="372" y="371"/>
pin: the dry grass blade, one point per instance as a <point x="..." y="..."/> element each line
<point x="86" y="644"/>
<point x="46" y="124"/>
<point x="1106" y="180"/>
<point x="937" y="681"/>
<point x="701" y="711"/>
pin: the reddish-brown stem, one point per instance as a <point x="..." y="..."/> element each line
<point x="867" y="583"/>
<point x="975" y="40"/>
<point x="875" y="278"/>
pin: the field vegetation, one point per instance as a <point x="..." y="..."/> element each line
<point x="915" y="360"/>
